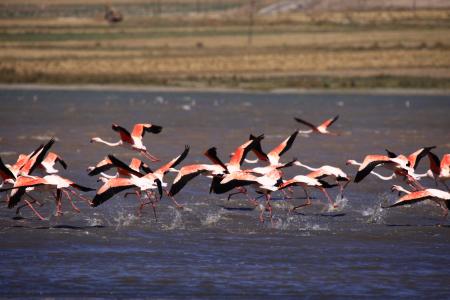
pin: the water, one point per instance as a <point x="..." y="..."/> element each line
<point x="216" y="247"/>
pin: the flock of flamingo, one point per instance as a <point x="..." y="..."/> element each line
<point x="18" y="180"/>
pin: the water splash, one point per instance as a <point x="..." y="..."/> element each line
<point x="124" y="219"/>
<point x="340" y="202"/>
<point x="213" y="217"/>
<point x="375" y="213"/>
<point x="177" y="221"/>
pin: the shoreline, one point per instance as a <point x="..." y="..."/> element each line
<point x="176" y="89"/>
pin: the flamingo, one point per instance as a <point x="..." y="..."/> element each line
<point x="140" y="183"/>
<point x="414" y="158"/>
<point x="160" y="172"/>
<point x="237" y="158"/>
<point x="133" y="140"/>
<point x="24" y="166"/>
<point x="189" y="172"/>
<point x="273" y="157"/>
<point x="306" y="182"/>
<point x="399" y="166"/>
<point x="62" y="185"/>
<point x="321" y="129"/>
<point x="48" y="164"/>
<point x="439" y="169"/>
<point x="263" y="184"/>
<point x="328" y="171"/>
<point x="441" y="198"/>
<point x="106" y="164"/>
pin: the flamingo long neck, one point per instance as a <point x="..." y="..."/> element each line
<point x="249" y="161"/>
<point x="99" y="140"/>
<point x="383" y="177"/>
<point x="305" y="131"/>
<point x="429" y="173"/>
<point x="355" y="163"/>
<point x="307" y="167"/>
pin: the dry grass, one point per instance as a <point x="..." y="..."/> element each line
<point x="311" y="50"/>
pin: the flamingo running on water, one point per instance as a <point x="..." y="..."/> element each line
<point x="306" y="182"/>
<point x="62" y="185"/>
<point x="140" y="183"/>
<point x="323" y="172"/>
<point x="133" y="140"/>
<point x="189" y="172"/>
<point x="321" y="129"/>
<point x="441" y="198"/>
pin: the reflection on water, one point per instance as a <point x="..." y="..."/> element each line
<point x="215" y="246"/>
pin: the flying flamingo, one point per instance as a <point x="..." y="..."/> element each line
<point x="140" y="183"/>
<point x="413" y="159"/>
<point x="106" y="164"/>
<point x="133" y="140"/>
<point x="48" y="164"/>
<point x="439" y="169"/>
<point x="262" y="184"/>
<point x="441" y="198"/>
<point x="160" y="172"/>
<point x="321" y="129"/>
<point x="62" y="185"/>
<point x="306" y="182"/>
<point x="323" y="172"/>
<point x="237" y="158"/>
<point x="398" y="166"/>
<point x="24" y="166"/>
<point x="273" y="157"/>
<point x="189" y="172"/>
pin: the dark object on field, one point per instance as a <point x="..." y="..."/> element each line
<point x="112" y="15"/>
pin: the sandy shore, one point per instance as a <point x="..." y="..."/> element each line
<point x="136" y="88"/>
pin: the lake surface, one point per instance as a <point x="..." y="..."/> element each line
<point x="214" y="247"/>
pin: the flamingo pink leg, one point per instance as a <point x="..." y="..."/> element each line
<point x="34" y="210"/>
<point x="80" y="196"/>
<point x="32" y="202"/>
<point x="149" y="156"/>
<point x="308" y="201"/>
<point x="269" y="206"/>
<point x="328" y="197"/>
<point x="75" y="208"/>
<point x="173" y="199"/>
<point x="153" y="204"/>
<point x="58" y="203"/>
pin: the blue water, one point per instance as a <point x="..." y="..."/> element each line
<point x="216" y="248"/>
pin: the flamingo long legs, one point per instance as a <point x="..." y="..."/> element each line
<point x="243" y="190"/>
<point x="75" y="208"/>
<point x="34" y="210"/>
<point x="268" y="207"/>
<point x="307" y="203"/>
<point x="149" y="156"/>
<point x="33" y="200"/>
<point x="173" y="199"/>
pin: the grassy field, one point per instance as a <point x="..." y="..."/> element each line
<point x="296" y="50"/>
